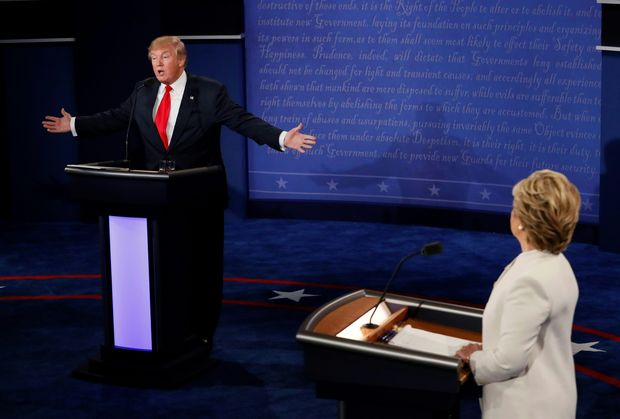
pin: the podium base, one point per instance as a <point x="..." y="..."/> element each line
<point x="357" y="401"/>
<point x="404" y="409"/>
<point x="145" y="369"/>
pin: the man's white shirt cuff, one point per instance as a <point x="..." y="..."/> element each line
<point x="72" y="124"/>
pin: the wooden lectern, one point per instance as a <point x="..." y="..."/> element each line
<point x="372" y="379"/>
<point x="161" y="237"/>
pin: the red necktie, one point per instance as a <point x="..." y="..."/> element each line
<point x="161" y="117"/>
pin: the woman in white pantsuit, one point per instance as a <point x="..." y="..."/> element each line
<point x="525" y="363"/>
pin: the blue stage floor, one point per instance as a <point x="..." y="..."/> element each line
<point x="277" y="272"/>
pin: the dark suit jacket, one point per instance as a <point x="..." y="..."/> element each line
<point x="205" y="107"/>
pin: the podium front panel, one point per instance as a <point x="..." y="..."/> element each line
<point x="130" y="283"/>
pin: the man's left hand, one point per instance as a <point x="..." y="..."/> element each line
<point x="296" y="140"/>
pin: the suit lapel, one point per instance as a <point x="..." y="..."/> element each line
<point x="185" y="110"/>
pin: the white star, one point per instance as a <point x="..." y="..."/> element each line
<point x="485" y="194"/>
<point x="383" y="187"/>
<point x="281" y="183"/>
<point x="586" y="346"/>
<point x="292" y="295"/>
<point x="333" y="186"/>
<point x="587" y="205"/>
<point x="434" y="190"/>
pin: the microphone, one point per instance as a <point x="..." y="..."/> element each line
<point x="428" y="249"/>
<point x="147" y="82"/>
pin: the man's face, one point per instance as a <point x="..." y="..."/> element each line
<point x="166" y="64"/>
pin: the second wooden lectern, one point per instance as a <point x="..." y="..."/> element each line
<point x="373" y="379"/>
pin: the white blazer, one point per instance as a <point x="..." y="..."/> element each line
<point x="526" y="365"/>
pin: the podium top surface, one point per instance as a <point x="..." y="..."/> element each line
<point x="324" y="331"/>
<point x="114" y="186"/>
<point x="120" y="169"/>
<point x="334" y="316"/>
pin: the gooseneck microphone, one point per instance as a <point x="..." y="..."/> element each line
<point x="131" y="112"/>
<point x="427" y="250"/>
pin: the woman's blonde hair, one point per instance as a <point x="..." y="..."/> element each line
<point x="164" y="41"/>
<point x="547" y="205"/>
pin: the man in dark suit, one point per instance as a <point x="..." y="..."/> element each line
<point x="178" y="118"/>
<point x="198" y="108"/>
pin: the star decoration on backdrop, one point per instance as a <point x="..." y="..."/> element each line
<point x="434" y="190"/>
<point x="281" y="183"/>
<point x="383" y="187"/>
<point x="333" y="186"/>
<point x="585" y="347"/>
<point x="586" y="204"/>
<point x="486" y="195"/>
<point x="292" y="295"/>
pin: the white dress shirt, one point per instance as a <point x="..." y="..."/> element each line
<point x="176" y="94"/>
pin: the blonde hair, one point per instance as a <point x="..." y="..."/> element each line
<point x="547" y="205"/>
<point x="164" y="41"/>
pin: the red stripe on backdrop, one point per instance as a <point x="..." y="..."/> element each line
<point x="580" y="368"/>
<point x="285" y="282"/>
<point x="98" y="297"/>
<point x="51" y="297"/>
<point x="596" y="333"/>
<point x="598" y="375"/>
<point x="258" y="304"/>
<point x="591" y="331"/>
<point x="26" y="277"/>
<point x="269" y="305"/>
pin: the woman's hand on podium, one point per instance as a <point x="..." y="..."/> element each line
<point x="465" y="352"/>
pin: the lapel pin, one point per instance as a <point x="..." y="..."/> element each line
<point x="191" y="98"/>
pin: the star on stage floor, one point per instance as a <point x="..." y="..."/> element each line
<point x="292" y="295"/>
<point x="586" y="347"/>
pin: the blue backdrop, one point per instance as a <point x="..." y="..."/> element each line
<point x="425" y="102"/>
<point x="39" y="81"/>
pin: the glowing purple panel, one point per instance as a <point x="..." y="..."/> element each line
<point x="131" y="302"/>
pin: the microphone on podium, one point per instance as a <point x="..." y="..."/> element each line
<point x="428" y="249"/>
<point x="146" y="83"/>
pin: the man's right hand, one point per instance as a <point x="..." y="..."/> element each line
<point x="58" y="124"/>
